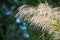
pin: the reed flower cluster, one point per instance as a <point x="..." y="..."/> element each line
<point x="42" y="16"/>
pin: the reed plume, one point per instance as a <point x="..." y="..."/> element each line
<point x="42" y="16"/>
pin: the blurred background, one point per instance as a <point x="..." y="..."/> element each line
<point x="12" y="28"/>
